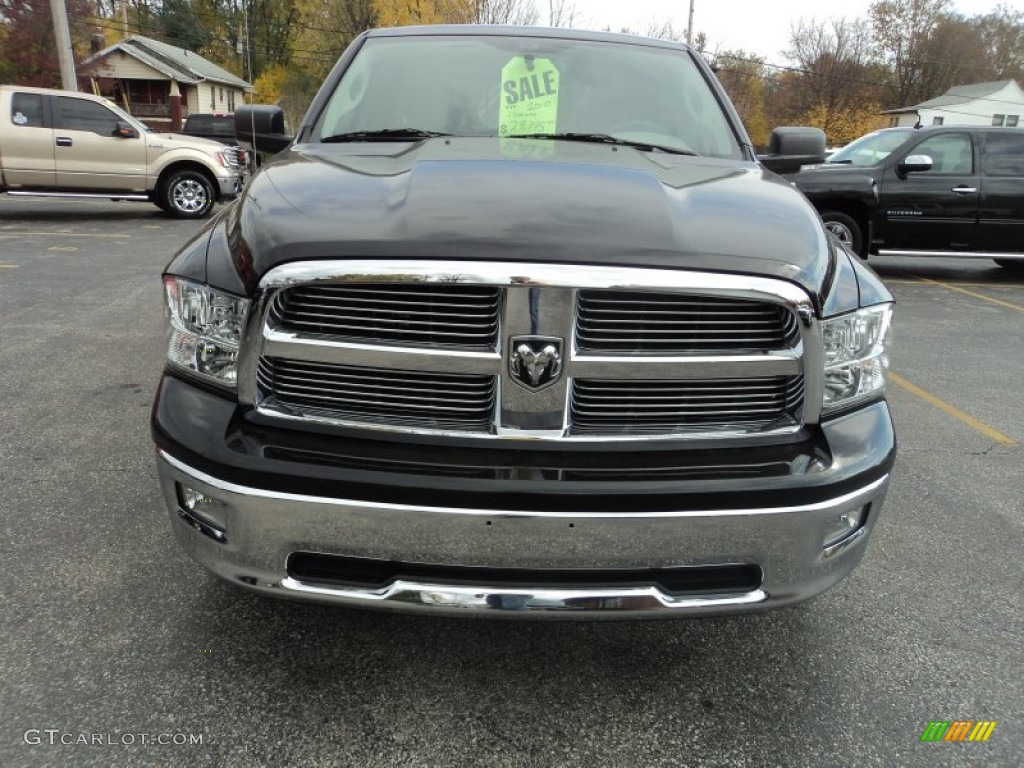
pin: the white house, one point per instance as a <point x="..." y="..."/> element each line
<point x="998" y="103"/>
<point x="160" y="83"/>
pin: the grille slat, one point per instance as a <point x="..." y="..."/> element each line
<point x="618" y="407"/>
<point x="446" y="401"/>
<point x="443" y="315"/>
<point x="635" y="322"/>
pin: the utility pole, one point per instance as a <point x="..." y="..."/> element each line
<point x="689" y="26"/>
<point x="64" y="53"/>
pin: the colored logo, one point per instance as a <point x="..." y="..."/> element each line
<point x="958" y="730"/>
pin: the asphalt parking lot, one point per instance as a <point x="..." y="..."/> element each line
<point x="108" y="629"/>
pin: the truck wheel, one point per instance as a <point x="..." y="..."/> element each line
<point x="187" y="195"/>
<point x="1012" y="264"/>
<point x="846" y="229"/>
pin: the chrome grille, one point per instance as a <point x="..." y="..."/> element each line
<point x="349" y="393"/>
<point x="649" y="407"/>
<point x="635" y="322"/>
<point x="234" y="156"/>
<point x="435" y="315"/>
<point x="424" y="346"/>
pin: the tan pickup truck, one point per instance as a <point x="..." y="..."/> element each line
<point x="67" y="144"/>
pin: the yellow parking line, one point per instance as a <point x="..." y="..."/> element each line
<point x="952" y="410"/>
<point x="958" y="289"/>
<point x="8" y="266"/>
<point x="993" y="286"/>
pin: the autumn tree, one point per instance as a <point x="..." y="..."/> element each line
<point x="743" y="77"/>
<point x="28" y="51"/>
<point x="953" y="53"/>
<point x="834" y="83"/>
<point x="901" y="29"/>
<point x="326" y="27"/>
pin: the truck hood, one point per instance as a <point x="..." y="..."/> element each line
<point x="546" y="201"/>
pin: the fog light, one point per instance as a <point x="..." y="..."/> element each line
<point x="844" y="526"/>
<point x="194" y="501"/>
<point x="200" y="511"/>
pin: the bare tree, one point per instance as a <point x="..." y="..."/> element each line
<point x="516" y="12"/>
<point x="1002" y="31"/>
<point x="834" y="78"/>
<point x="563" y="13"/>
<point x="664" y="29"/>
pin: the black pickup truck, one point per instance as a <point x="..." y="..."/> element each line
<point x="941" y="191"/>
<point x="517" y="323"/>
<point x="211" y="126"/>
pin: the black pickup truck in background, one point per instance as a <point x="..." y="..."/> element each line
<point x="211" y="126"/>
<point x="941" y="191"/>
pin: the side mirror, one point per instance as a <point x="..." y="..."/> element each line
<point x="262" y="127"/>
<point x="790" y="148"/>
<point x="124" y="130"/>
<point x="914" y="164"/>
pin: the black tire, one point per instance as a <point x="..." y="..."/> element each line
<point x="846" y="229"/>
<point x="1011" y="264"/>
<point x="187" y="195"/>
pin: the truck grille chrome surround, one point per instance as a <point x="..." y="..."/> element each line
<point x="424" y="347"/>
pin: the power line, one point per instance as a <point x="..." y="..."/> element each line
<point x="320" y="57"/>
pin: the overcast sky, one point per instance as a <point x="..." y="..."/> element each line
<point x="756" y="26"/>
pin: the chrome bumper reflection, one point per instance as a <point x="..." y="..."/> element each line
<point x="230" y="186"/>
<point x="627" y="600"/>
<point x="264" y="528"/>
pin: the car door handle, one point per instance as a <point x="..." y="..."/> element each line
<point x="63" y="141"/>
<point x="961" y="190"/>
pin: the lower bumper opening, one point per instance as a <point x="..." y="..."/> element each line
<point x="366" y="573"/>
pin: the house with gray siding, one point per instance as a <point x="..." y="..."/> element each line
<point x="159" y="83"/>
<point x="998" y="103"/>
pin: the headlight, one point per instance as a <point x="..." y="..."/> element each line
<point x="856" y="348"/>
<point x="204" y="330"/>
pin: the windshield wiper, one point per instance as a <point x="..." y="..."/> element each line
<point x="602" y="138"/>
<point x="384" y="134"/>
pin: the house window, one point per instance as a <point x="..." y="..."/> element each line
<point x="231" y="101"/>
<point x="893" y="122"/>
<point x="998" y="119"/>
<point x="1012" y="121"/>
<point x="222" y="94"/>
<point x="938" y="120"/>
<point x="213" y="98"/>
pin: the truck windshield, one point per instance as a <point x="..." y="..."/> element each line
<point x="870" y="149"/>
<point x="507" y="86"/>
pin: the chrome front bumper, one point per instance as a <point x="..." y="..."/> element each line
<point x="247" y="536"/>
<point x="230" y="186"/>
